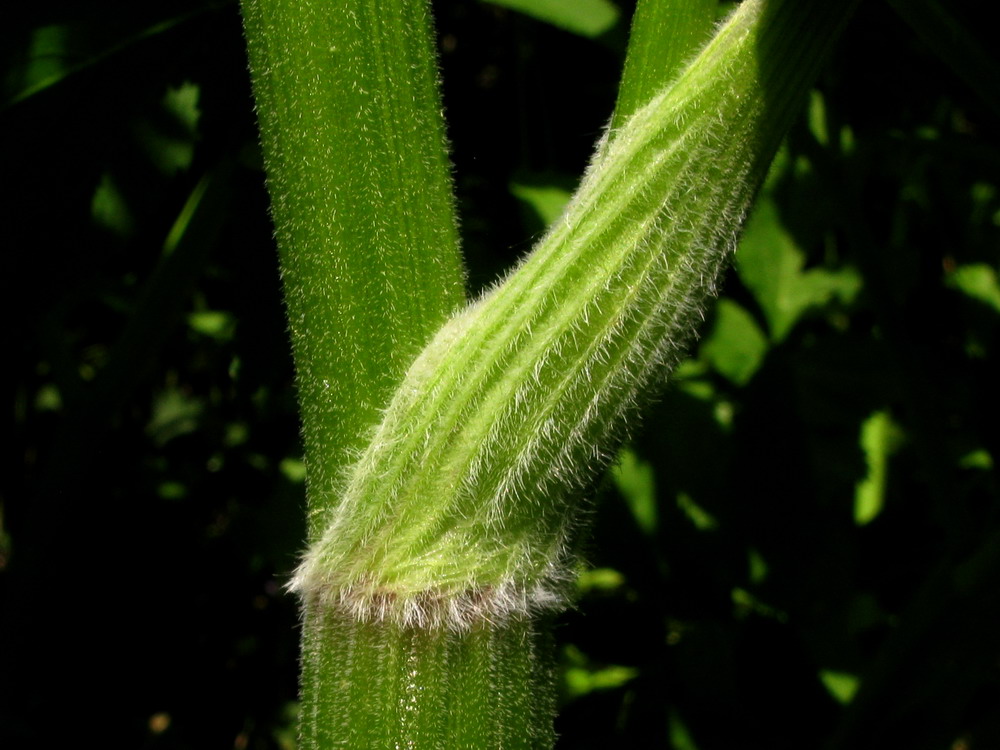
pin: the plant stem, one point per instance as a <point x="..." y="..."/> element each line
<point x="665" y="35"/>
<point x="465" y="503"/>
<point x="375" y="685"/>
<point x="353" y="138"/>
<point x="435" y="562"/>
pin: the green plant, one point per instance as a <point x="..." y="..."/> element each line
<point x="441" y="545"/>
<point x="795" y="547"/>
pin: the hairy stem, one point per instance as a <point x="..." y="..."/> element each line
<point x="437" y="558"/>
<point x="463" y="507"/>
<point x="350" y="120"/>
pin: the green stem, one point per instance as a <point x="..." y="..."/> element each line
<point x="458" y="520"/>
<point x="353" y="137"/>
<point x="665" y="35"/>
<point x="350" y="120"/>
<point x="436" y="558"/>
<point x="378" y="685"/>
<point x="464" y="506"/>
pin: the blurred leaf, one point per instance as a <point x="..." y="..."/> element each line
<point x="584" y="676"/>
<point x="701" y="518"/>
<point x="185" y="225"/>
<point x="634" y="479"/>
<point x="175" y="413"/>
<point x="170" y="142"/>
<point x="294" y="470"/>
<point x="599" y="579"/>
<point x="817" y="118"/>
<point x="109" y="209"/>
<point x="172" y="490"/>
<point x="680" y="735"/>
<point x="746" y="603"/>
<point x="841" y="685"/>
<point x="547" y="201"/>
<point x="589" y="18"/>
<point x="984" y="201"/>
<point x="217" y="324"/>
<point x="736" y="346"/>
<point x="770" y="263"/>
<point x="691" y="376"/>
<point x="978" y="281"/>
<point x="237" y="433"/>
<point x="285" y="734"/>
<point x="979" y="459"/>
<point x="182" y="103"/>
<point x="49" y="59"/>
<point x="879" y="439"/>
<point x="757" y="566"/>
<point x="48" y="398"/>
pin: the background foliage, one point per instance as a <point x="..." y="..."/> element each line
<point x="800" y="546"/>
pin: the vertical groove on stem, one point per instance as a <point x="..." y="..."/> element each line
<point x="381" y="685"/>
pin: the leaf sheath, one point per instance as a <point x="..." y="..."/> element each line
<point x="464" y="505"/>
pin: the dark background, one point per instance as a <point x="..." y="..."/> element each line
<point x="152" y="493"/>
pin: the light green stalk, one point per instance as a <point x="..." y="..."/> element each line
<point x="463" y="507"/>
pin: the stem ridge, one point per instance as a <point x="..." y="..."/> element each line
<point x="464" y="506"/>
